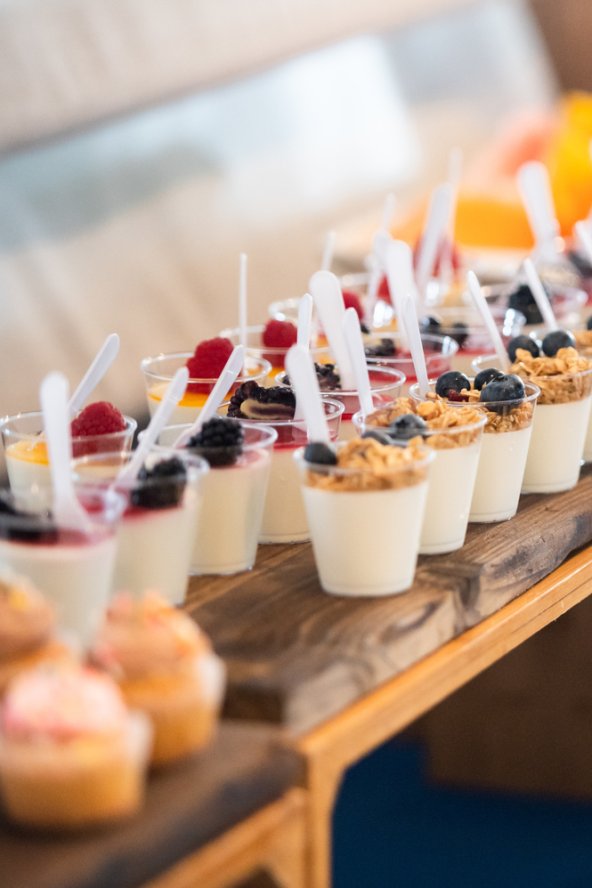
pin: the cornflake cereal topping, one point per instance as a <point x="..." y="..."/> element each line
<point x="584" y="342"/>
<point x="365" y="464"/>
<point x="564" y="377"/>
<point x="439" y="416"/>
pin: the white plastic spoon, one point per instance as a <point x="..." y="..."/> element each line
<point x="223" y="384"/>
<point x="172" y="396"/>
<point x="67" y="510"/>
<point x="328" y="250"/>
<point x="399" y="272"/>
<point x="415" y="345"/>
<point x="99" y="366"/>
<point x="540" y="296"/>
<point x="353" y="339"/>
<point x="584" y="235"/>
<point x="435" y="229"/>
<point x="304" y="321"/>
<point x="377" y="263"/>
<point x="535" y="190"/>
<point x="242" y="299"/>
<point x="328" y="301"/>
<point x="303" y="380"/>
<point x="488" y="319"/>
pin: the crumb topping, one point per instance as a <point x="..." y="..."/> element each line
<point x="439" y="416"/>
<point x="365" y="464"/>
<point x="567" y="376"/>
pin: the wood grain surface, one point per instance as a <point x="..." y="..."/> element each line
<point x="297" y="656"/>
<point x="186" y="807"/>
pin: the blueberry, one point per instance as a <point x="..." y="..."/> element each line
<point x="508" y="388"/>
<point x="430" y="324"/>
<point x="378" y="435"/>
<point x="451" y="381"/>
<point x="557" y="339"/>
<point x="320" y="454"/>
<point x="589" y="323"/>
<point x="525" y="342"/>
<point x="523" y="301"/>
<point x="407" y="426"/>
<point x="485" y="376"/>
<point x="459" y="332"/>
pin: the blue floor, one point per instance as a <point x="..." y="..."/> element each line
<point x="393" y="830"/>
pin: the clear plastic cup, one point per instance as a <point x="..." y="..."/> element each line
<point x="451" y="482"/>
<point x="73" y="568"/>
<point x="504" y="451"/>
<point x="157" y="530"/>
<point x="284" y="518"/>
<point x="275" y="355"/>
<point x="365" y="541"/>
<point x="385" y="384"/>
<point x="439" y="354"/>
<point x="25" y="453"/>
<point x="233" y="499"/>
<point x="567" y="302"/>
<point x="159" y="371"/>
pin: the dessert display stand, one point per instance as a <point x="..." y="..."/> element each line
<point x="341" y="676"/>
<point x="212" y="821"/>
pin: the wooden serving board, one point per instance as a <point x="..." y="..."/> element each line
<point x="187" y="806"/>
<point x="297" y="656"/>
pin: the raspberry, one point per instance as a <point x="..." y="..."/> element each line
<point x="279" y="334"/>
<point x="352" y="300"/>
<point x="100" y="418"/>
<point x="383" y="290"/>
<point x="207" y="362"/>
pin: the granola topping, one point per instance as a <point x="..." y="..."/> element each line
<point x="514" y="418"/>
<point x="564" y="377"/>
<point x="439" y="416"/>
<point x="584" y="342"/>
<point x="364" y="464"/>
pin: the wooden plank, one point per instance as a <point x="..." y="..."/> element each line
<point x="297" y="656"/>
<point x="187" y="806"/>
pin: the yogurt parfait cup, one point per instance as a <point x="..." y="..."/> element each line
<point x="567" y="302"/>
<point x="365" y="516"/>
<point x="72" y="568"/>
<point x="284" y="517"/>
<point x="157" y="530"/>
<point x="455" y="436"/>
<point x="275" y="355"/>
<point x="233" y="499"/>
<point x="386" y="385"/>
<point x="27" y="463"/>
<point x="159" y="371"/>
<point x="385" y="350"/>
<point x="502" y="460"/>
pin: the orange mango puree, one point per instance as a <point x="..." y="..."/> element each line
<point x="35" y="452"/>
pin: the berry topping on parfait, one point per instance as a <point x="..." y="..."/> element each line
<point x="450" y="385"/>
<point x="219" y="441"/>
<point x="207" y="362"/>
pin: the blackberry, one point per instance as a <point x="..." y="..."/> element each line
<point x="431" y="325"/>
<point x="459" y="332"/>
<point x="23" y="526"/>
<point x="219" y="441"/>
<point x="384" y="348"/>
<point x="253" y="401"/>
<point x="161" y="485"/>
<point x="522" y="300"/>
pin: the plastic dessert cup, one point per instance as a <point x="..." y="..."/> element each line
<point x="584" y="347"/>
<point x="439" y="353"/>
<point x="567" y="302"/>
<point x="158" y="372"/>
<point x="274" y="355"/>
<point x="284" y="517"/>
<point x="365" y="541"/>
<point x="72" y="568"/>
<point x="386" y="385"/>
<point x="233" y="500"/>
<point x="472" y="338"/>
<point x="504" y="449"/>
<point x="451" y="483"/>
<point x="26" y="457"/>
<point x="156" y="533"/>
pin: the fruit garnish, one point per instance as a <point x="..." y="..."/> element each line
<point x="485" y="376"/>
<point x="24" y="526"/>
<point x="431" y="325"/>
<point x="279" y="334"/>
<point x="522" y="300"/>
<point x="352" y="300"/>
<point x="383" y="290"/>
<point x="161" y="484"/>
<point x="452" y="383"/>
<point x="100" y="418"/>
<point x="207" y="362"/>
<point x="507" y="388"/>
<point x="407" y="426"/>
<point x="525" y="342"/>
<point x="384" y="348"/>
<point x="327" y="377"/>
<point x="459" y="332"/>
<point x="320" y="454"/>
<point x="557" y="339"/>
<point x="253" y="401"/>
<point x="219" y="441"/>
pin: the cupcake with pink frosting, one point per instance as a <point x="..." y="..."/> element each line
<point x="165" y="667"/>
<point x="71" y="754"/>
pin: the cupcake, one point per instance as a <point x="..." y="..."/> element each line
<point x="71" y="755"/>
<point x="27" y="623"/>
<point x="165" y="667"/>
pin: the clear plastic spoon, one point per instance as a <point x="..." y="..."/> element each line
<point x="303" y="379"/>
<point x="328" y="301"/>
<point x="415" y="345"/>
<point x="353" y="338"/>
<point x="99" y="366"/>
<point x="540" y="296"/>
<point x="488" y="319"/>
